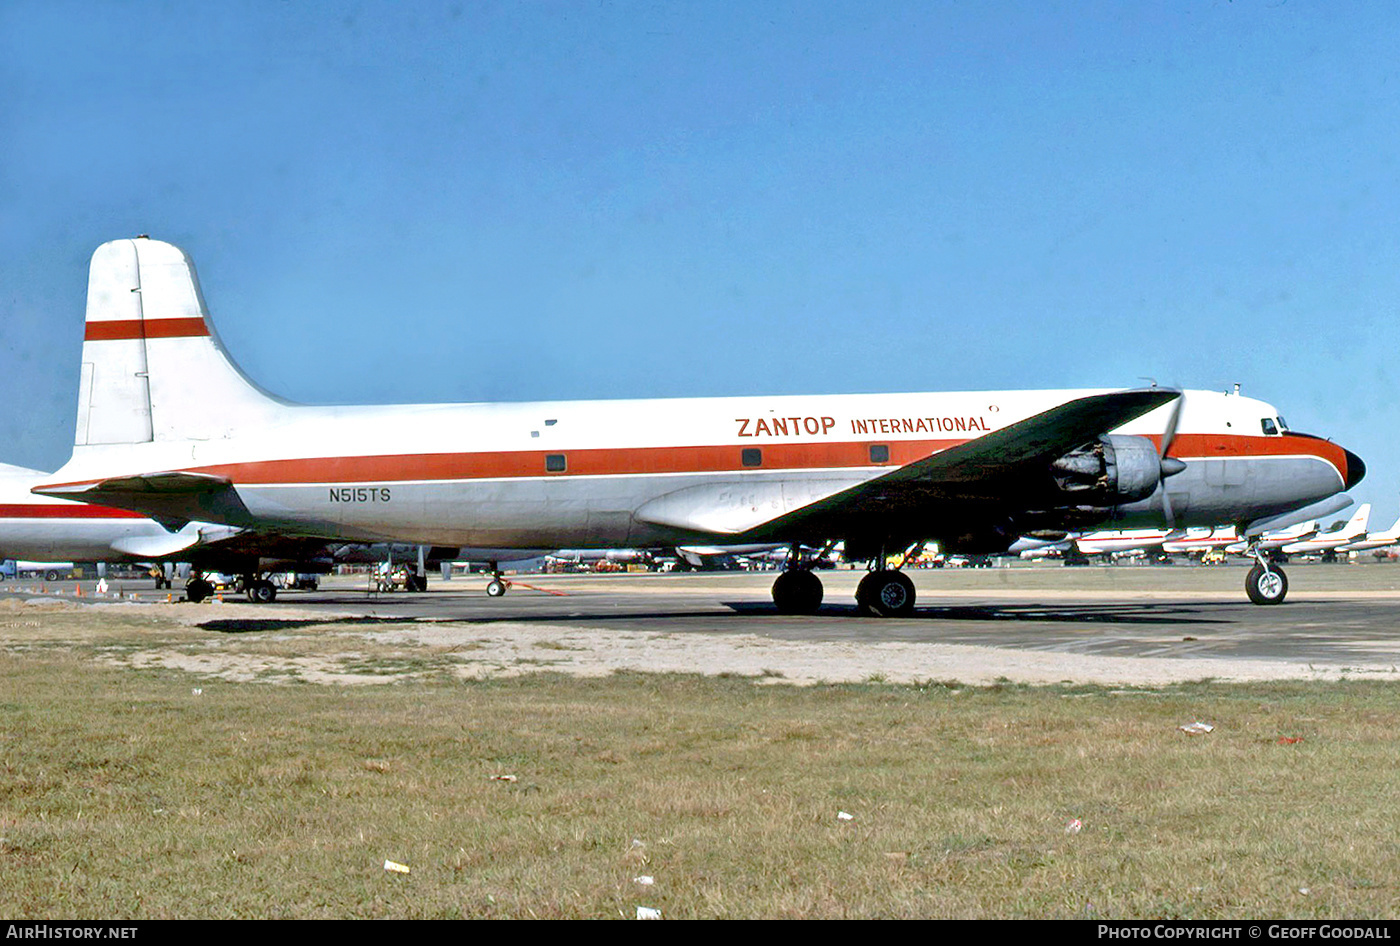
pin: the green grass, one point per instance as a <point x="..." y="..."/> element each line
<point x="124" y="794"/>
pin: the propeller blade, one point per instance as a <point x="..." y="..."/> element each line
<point x="1171" y="465"/>
<point x="1173" y="419"/>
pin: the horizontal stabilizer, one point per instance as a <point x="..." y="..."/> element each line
<point x="145" y="485"/>
<point x="166" y="497"/>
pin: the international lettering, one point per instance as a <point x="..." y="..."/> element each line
<point x="919" y="425"/>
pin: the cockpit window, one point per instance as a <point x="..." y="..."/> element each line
<point x="1269" y="429"/>
<point x="1282" y="424"/>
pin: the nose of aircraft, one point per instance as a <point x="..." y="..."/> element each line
<point x="1356" y="469"/>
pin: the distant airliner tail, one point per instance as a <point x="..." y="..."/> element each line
<point x="153" y="368"/>
<point x="1359" y="521"/>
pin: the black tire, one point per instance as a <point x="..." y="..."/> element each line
<point x="495" y="588"/>
<point x="886" y="594"/>
<point x="51" y="575"/>
<point x="1266" y="587"/>
<point x="262" y="591"/>
<point x="797" y="592"/>
<point x="198" y="589"/>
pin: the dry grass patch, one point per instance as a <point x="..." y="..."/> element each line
<point x="133" y="792"/>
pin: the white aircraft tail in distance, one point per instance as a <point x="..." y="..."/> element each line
<point x="41" y="528"/>
<point x="170" y="427"/>
<point x="53" y="533"/>
<point x="1374" y="540"/>
<point x="1328" y="543"/>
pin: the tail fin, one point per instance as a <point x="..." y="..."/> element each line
<point x="153" y="368"/>
<point x="1359" y="521"/>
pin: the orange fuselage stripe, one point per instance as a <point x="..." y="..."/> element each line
<point x="672" y="460"/>
<point x="144" y="328"/>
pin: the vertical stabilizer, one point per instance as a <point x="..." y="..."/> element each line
<point x="153" y="369"/>
<point x="1359" y="521"/>
<point x="114" y="398"/>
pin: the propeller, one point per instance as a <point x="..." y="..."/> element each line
<point x="1171" y="465"/>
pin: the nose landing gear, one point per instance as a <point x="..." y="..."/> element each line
<point x="1266" y="583"/>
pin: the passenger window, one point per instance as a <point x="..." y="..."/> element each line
<point x="1269" y="429"/>
<point x="752" y="456"/>
<point x="879" y="453"/>
<point x="554" y="463"/>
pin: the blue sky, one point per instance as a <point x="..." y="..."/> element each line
<point x="414" y="202"/>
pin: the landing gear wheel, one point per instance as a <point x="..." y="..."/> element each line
<point x="495" y="588"/>
<point x="197" y="589"/>
<point x="262" y="591"/>
<point x="1266" y="587"/>
<point x="797" y="592"/>
<point x="886" y="594"/>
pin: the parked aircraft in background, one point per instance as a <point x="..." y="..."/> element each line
<point x="44" y="529"/>
<point x="1113" y="544"/>
<point x="1327" y="543"/>
<point x="592" y="557"/>
<point x="1030" y="547"/>
<point x="1197" y="542"/>
<point x="1374" y="540"/>
<point x="169" y="427"/>
<point x="726" y="556"/>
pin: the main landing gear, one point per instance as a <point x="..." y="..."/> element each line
<point x="198" y="588"/>
<point x="258" y="590"/>
<point x="797" y="591"/>
<point x="883" y="592"/>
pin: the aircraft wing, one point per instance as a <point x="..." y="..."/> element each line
<point x="1007" y="470"/>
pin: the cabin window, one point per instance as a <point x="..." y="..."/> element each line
<point x="555" y="463"/>
<point x="752" y="456"/>
<point x="879" y="453"/>
<point x="1269" y="429"/>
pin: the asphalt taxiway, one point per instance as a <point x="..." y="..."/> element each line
<point x="1337" y="616"/>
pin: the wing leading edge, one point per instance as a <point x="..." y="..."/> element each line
<point x="1002" y="472"/>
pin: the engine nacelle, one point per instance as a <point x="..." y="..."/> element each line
<point x="1113" y="470"/>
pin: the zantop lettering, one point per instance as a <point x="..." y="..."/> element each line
<point x="784" y="426"/>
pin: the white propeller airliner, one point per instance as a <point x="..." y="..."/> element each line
<point x="169" y="427"/>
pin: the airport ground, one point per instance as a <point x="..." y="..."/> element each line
<point x="1120" y="624"/>
<point x="591" y="745"/>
